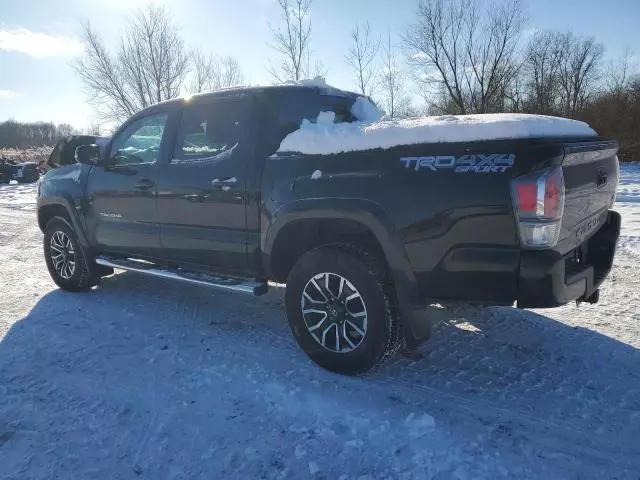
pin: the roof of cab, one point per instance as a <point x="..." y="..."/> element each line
<point x="241" y="91"/>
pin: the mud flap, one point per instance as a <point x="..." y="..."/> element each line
<point x="416" y="324"/>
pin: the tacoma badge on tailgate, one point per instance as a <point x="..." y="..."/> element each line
<point x="587" y="227"/>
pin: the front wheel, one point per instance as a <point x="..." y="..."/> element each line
<point x="340" y="310"/>
<point x="65" y="258"/>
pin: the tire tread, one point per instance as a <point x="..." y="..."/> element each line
<point x="378" y="270"/>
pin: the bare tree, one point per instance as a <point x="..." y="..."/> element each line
<point x="514" y="94"/>
<point x="562" y="70"/>
<point x="204" y="72"/>
<point x="620" y="72"/>
<point x="232" y="74"/>
<point x="149" y="66"/>
<point x="579" y="71"/>
<point x="542" y="63"/>
<point x="94" y="128"/>
<point x="213" y="72"/>
<point x="392" y="83"/>
<point x="292" y="41"/>
<point x="465" y="53"/>
<point x="361" y="57"/>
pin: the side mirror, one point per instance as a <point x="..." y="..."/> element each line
<point x="88" y="154"/>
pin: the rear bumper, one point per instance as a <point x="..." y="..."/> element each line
<point x="548" y="279"/>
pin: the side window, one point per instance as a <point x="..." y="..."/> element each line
<point x="209" y="132"/>
<point x="139" y="143"/>
<point x="292" y="116"/>
<point x="343" y="114"/>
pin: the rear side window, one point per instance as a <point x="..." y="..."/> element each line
<point x="209" y="132"/>
<point x="283" y="112"/>
<point x="343" y="113"/>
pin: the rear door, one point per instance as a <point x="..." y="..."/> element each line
<point x="202" y="193"/>
<point x="122" y="190"/>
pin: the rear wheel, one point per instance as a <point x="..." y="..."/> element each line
<point x="65" y="258"/>
<point x="340" y="309"/>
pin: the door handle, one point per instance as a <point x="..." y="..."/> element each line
<point x="224" y="181"/>
<point x="144" y="184"/>
<point x="196" y="197"/>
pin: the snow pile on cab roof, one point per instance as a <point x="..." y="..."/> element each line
<point x="326" y="137"/>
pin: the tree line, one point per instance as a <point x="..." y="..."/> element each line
<point x="21" y="135"/>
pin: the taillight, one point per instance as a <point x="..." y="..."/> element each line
<point x="538" y="201"/>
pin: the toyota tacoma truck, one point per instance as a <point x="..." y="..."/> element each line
<point x="243" y="188"/>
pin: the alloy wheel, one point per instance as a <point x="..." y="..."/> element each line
<point x="63" y="256"/>
<point x="334" y="312"/>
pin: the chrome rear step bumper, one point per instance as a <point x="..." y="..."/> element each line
<point x="239" y="285"/>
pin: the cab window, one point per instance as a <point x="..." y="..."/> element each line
<point x="209" y="132"/>
<point x="139" y="143"/>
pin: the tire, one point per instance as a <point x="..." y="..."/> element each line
<point x="60" y="239"/>
<point x="346" y="349"/>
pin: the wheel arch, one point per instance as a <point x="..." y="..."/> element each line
<point x="50" y="207"/>
<point x="306" y="224"/>
<point x="284" y="240"/>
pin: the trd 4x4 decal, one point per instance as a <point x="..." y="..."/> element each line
<point x="480" y="163"/>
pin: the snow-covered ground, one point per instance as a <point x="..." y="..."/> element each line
<point x="628" y="204"/>
<point x="144" y="378"/>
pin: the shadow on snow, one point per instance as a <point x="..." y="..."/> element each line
<point x="141" y="369"/>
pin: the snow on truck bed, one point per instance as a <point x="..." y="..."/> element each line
<point x="325" y="137"/>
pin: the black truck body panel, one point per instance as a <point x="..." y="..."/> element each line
<point x="446" y="235"/>
<point x="457" y="231"/>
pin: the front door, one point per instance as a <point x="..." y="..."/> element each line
<point x="202" y="188"/>
<point x="122" y="190"/>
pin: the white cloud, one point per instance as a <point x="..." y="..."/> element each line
<point x="9" y="94"/>
<point x="38" y="44"/>
<point x="420" y="56"/>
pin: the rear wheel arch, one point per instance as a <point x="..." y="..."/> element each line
<point x="376" y="233"/>
<point x="304" y="231"/>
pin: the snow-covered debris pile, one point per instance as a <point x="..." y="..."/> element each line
<point x="324" y="138"/>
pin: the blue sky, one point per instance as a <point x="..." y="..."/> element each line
<point x="39" y="39"/>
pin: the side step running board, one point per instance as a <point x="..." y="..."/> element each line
<point x="225" y="283"/>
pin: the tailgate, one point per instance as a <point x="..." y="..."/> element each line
<point x="590" y="171"/>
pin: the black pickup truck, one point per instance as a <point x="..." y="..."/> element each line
<point x="196" y="190"/>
